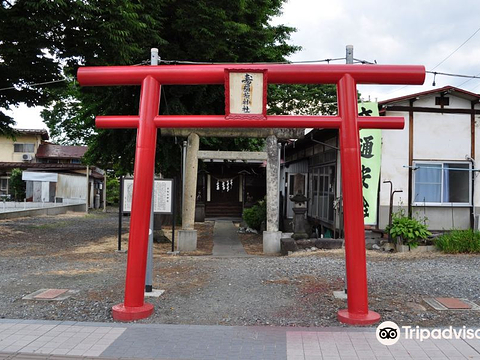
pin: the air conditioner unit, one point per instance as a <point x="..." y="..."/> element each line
<point x="27" y="157"/>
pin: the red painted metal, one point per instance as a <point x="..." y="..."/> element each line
<point x="272" y="121"/>
<point x="143" y="173"/>
<point x="345" y="76"/>
<point x="121" y="312"/>
<point x="355" y="253"/>
<point x="277" y="74"/>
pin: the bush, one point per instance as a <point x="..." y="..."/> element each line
<point x="410" y="230"/>
<point x="255" y="215"/>
<point x="113" y="191"/>
<point x="17" y="185"/>
<point x="459" y="241"/>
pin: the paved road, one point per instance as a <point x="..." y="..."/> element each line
<point x="29" y="339"/>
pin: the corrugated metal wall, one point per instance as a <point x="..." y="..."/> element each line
<point x="71" y="187"/>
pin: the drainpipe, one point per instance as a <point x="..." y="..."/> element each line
<point x="472" y="220"/>
<point x="87" y="197"/>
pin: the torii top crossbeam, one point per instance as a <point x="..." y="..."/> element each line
<point x="346" y="77"/>
<point x="277" y="74"/>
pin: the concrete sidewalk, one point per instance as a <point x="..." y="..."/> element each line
<point x="226" y="241"/>
<point x="29" y="339"/>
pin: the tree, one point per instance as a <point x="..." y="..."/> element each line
<point x="17" y="185"/>
<point x="113" y="191"/>
<point x="302" y="99"/>
<point x="72" y="33"/>
<point x="24" y="38"/>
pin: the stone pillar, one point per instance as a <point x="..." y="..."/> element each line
<point x="271" y="237"/>
<point x="187" y="237"/>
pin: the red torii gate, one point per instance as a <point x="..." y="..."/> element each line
<point x="346" y="77"/>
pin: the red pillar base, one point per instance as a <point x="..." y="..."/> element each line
<point x="358" y="319"/>
<point x="129" y="313"/>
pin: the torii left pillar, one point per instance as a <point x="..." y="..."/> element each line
<point x="134" y="307"/>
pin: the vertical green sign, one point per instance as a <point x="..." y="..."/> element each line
<point x="370" y="151"/>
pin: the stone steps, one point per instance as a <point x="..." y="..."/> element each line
<point x="223" y="210"/>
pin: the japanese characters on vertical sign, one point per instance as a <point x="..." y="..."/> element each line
<point x="245" y="94"/>
<point x="370" y="152"/>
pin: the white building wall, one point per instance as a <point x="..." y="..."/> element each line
<point x="441" y="136"/>
<point x="395" y="162"/>
<point x="436" y="136"/>
<point x="459" y="103"/>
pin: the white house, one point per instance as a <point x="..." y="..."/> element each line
<point x="432" y="160"/>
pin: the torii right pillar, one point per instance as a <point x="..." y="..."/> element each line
<point x="355" y="253"/>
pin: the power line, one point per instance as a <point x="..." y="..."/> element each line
<point x="458" y="48"/>
<point x="463" y="83"/>
<point x="36" y="84"/>
<point x="185" y="62"/>
<point x="358" y="61"/>
<point x="453" y="75"/>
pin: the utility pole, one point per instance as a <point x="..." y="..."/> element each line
<point x="348" y="60"/>
<point x="349" y="54"/>
<point x="149" y="271"/>
<point x="105" y="192"/>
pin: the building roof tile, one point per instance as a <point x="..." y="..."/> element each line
<point x="60" y="151"/>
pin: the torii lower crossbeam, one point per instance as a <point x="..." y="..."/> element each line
<point x="345" y="76"/>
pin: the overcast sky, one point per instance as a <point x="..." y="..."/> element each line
<point x="416" y="32"/>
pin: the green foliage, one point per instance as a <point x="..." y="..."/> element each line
<point x="45" y="40"/>
<point x="459" y="241"/>
<point x="255" y="215"/>
<point x="25" y="35"/>
<point x="113" y="190"/>
<point x="17" y="185"/>
<point x="302" y="99"/>
<point x="409" y="230"/>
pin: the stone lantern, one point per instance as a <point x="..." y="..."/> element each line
<point x="299" y="209"/>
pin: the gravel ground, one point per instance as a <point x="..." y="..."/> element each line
<point x="75" y="251"/>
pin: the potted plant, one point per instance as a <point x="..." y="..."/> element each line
<point x="407" y="231"/>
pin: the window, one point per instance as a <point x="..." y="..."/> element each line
<point x="322" y="192"/>
<point x="24" y="148"/>
<point x="442" y="101"/>
<point x="3" y="186"/>
<point x="438" y="183"/>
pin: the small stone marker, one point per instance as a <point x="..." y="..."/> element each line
<point x="453" y="303"/>
<point x="341" y="294"/>
<point x="154" y="293"/>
